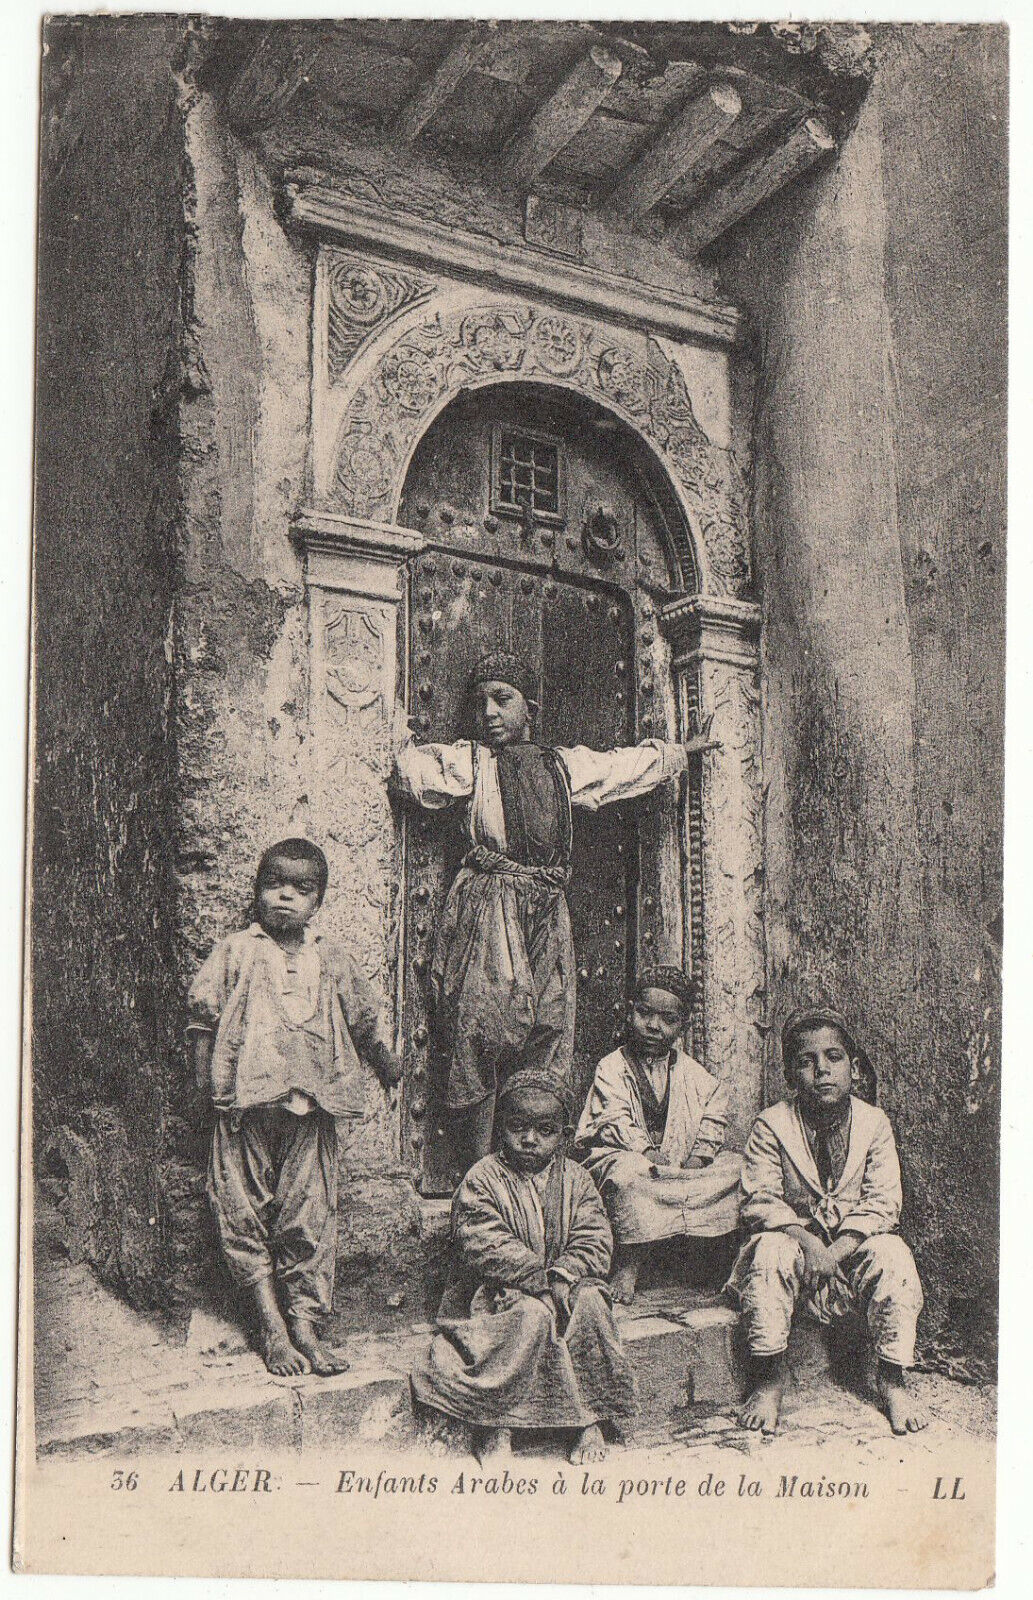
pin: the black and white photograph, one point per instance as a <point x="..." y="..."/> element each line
<point x="515" y="881"/>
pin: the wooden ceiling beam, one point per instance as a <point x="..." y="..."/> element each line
<point x="751" y="186"/>
<point x="270" y="78"/>
<point x="680" y="145"/>
<point x="563" y="115"/>
<point x="470" y="51"/>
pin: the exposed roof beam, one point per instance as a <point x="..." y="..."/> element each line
<point x="563" y="115"/>
<point x="749" y="188"/>
<point x="468" y="52"/>
<point x="680" y="145"/>
<point x="270" y="78"/>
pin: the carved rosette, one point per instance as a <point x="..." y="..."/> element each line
<point x="360" y="299"/>
<point x="449" y="351"/>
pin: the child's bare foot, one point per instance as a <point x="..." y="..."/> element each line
<point x="589" y="1446"/>
<point x="278" y="1353"/>
<point x="627" y="1261"/>
<point x="274" y="1342"/>
<point x="761" y="1409"/>
<point x="494" y="1444"/>
<point x="906" y="1414"/>
<point x="322" y="1358"/>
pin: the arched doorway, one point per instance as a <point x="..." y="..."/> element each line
<point x="549" y="531"/>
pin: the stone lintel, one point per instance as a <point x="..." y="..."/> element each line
<point x="712" y="628"/>
<point x="353" y="554"/>
<point x="315" y="203"/>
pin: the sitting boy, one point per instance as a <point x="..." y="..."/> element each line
<point x="527" y="1337"/>
<point x="652" y="1134"/>
<point x="821" y="1187"/>
<point x="278" y="1018"/>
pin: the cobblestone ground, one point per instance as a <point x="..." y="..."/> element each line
<point x="101" y="1365"/>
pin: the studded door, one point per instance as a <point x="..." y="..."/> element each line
<point x="492" y="578"/>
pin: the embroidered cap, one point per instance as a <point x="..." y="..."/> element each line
<point x="501" y="667"/>
<point x="537" y="1080"/>
<point x="671" y="979"/>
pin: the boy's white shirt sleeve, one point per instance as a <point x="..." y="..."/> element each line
<point x="435" y="775"/>
<point x="603" y="777"/>
<point x="209" y="991"/>
<point x="763" y="1183"/>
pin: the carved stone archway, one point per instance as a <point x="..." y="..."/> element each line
<point x="385" y="380"/>
<point x="391" y="348"/>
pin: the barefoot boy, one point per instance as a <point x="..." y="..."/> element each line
<point x="821" y="1186"/>
<point x="527" y="1336"/>
<point x="652" y="1133"/>
<point x="276" y="1015"/>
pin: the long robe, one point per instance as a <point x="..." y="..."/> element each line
<point x="499" y="1359"/>
<point x="617" y="1142"/>
<point x="503" y="978"/>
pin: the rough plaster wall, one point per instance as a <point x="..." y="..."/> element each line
<point x="103" y="1006"/>
<point x="878" y="291"/>
<point x="242" y="647"/>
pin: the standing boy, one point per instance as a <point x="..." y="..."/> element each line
<point x="821" y="1188"/>
<point x="503" y="979"/>
<point x="652" y="1134"/>
<point x="277" y="1015"/>
<point x="527" y="1335"/>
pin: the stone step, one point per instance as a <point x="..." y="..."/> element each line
<point x="683" y="1347"/>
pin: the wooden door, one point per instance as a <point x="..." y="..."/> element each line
<point x="493" y="579"/>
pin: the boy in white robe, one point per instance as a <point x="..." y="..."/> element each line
<point x="652" y="1134"/>
<point x="822" y="1196"/>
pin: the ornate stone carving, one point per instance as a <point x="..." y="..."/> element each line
<point x="352" y="696"/>
<point x="360" y="298"/>
<point x="732" y="844"/>
<point x="448" y="352"/>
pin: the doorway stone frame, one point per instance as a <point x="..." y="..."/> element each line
<point x="396" y="335"/>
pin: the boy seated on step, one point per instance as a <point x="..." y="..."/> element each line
<point x="527" y="1337"/>
<point x="278" y="1018"/>
<point x="821" y="1196"/>
<point x="652" y="1134"/>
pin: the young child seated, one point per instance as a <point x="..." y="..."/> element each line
<point x="821" y="1187"/>
<point x="277" y="1015"/>
<point x="527" y="1335"/>
<point x="652" y="1133"/>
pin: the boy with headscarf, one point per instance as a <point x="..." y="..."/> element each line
<point x="822" y="1196"/>
<point x="503" y="979"/>
<point x="527" y="1337"/>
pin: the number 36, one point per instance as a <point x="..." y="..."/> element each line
<point x="124" y="1480"/>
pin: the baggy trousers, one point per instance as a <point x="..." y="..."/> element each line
<point x="272" y="1186"/>
<point x="879" y="1279"/>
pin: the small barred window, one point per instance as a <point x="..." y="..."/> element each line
<point x="527" y="475"/>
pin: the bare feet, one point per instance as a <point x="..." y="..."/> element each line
<point x="627" y="1261"/>
<point x="761" y="1409"/>
<point x="278" y="1353"/>
<point x="274" y="1342"/>
<point x="494" y="1444"/>
<point x="589" y="1446"/>
<point x="904" y="1411"/>
<point x="322" y="1358"/>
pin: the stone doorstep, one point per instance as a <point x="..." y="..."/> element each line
<point x="683" y="1347"/>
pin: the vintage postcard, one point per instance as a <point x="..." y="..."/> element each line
<point x="513" y="1020"/>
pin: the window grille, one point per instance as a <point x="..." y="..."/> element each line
<point x="527" y="475"/>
